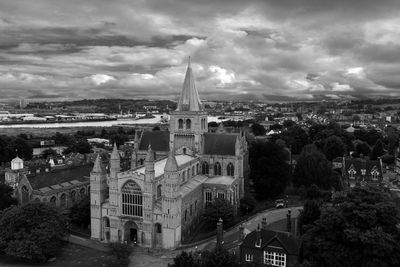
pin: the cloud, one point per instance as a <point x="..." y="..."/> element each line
<point x="124" y="48"/>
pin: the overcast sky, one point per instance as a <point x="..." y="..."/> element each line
<point x="132" y="49"/>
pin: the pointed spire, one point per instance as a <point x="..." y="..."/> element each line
<point x="189" y="99"/>
<point x="115" y="153"/>
<point x="150" y="154"/>
<point x="98" y="165"/>
<point x="171" y="165"/>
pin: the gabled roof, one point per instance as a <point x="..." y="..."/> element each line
<point x="219" y="144"/>
<point x="189" y="99"/>
<point x="159" y="141"/>
<point x="359" y="164"/>
<point x="45" y="179"/>
<point x="287" y="241"/>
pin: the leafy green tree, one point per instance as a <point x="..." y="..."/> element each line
<point x="359" y="229"/>
<point x="185" y="259"/>
<point x="219" y="208"/>
<point x="247" y="204"/>
<point x="258" y="129"/>
<point x="32" y="232"/>
<point x="22" y="148"/>
<point x="48" y="153"/>
<point x="309" y="214"/>
<point x="377" y="150"/>
<point x="269" y="169"/>
<point x="363" y="148"/>
<point x="6" y="199"/>
<point x="296" y="138"/>
<point x="80" y="213"/>
<point x="334" y="147"/>
<point x="393" y="142"/>
<point x="220" y="257"/>
<point x="312" y="167"/>
<point x="121" y="251"/>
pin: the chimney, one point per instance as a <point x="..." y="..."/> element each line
<point x="220" y="233"/>
<point x="289" y="221"/>
<point x="264" y="223"/>
<point x="241" y="232"/>
<point x="258" y="236"/>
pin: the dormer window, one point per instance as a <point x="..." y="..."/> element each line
<point x="352" y="173"/>
<point x="248" y="257"/>
<point x="374" y="174"/>
<point x="363" y="171"/>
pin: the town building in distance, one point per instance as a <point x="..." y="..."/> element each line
<point x="160" y="199"/>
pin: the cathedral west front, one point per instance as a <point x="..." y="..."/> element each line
<point x="159" y="201"/>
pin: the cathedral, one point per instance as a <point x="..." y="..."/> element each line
<point x="159" y="201"/>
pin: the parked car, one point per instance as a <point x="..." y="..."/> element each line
<point x="280" y="203"/>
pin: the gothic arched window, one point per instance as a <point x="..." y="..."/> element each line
<point x="193" y="171"/>
<point x="188" y="124"/>
<point x="63" y="200"/>
<point x="197" y="168"/>
<point x="73" y="196"/>
<point x="159" y="191"/>
<point x="132" y="199"/>
<point x="180" y="124"/>
<point x="53" y="200"/>
<point x="230" y="169"/>
<point x="217" y="169"/>
<point x="205" y="168"/>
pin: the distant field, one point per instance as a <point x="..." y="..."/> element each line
<point x="47" y="131"/>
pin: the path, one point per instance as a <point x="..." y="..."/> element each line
<point x="141" y="258"/>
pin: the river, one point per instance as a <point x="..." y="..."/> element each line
<point x="155" y="120"/>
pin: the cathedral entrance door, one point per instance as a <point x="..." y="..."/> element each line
<point x="131" y="232"/>
<point x="133" y="235"/>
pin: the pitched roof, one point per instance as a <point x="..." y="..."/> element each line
<point x="115" y="153"/>
<point x="363" y="164"/>
<point x="189" y="99"/>
<point x="60" y="176"/>
<point x="285" y="239"/>
<point x="171" y="164"/>
<point x="159" y="141"/>
<point x="159" y="165"/>
<point x="219" y="144"/>
<point x="98" y="166"/>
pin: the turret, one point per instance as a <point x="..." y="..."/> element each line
<point x="171" y="203"/>
<point x="98" y="194"/>
<point x="149" y="165"/>
<point x="115" y="162"/>
<point x="133" y="160"/>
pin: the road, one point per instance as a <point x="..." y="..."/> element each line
<point x="160" y="259"/>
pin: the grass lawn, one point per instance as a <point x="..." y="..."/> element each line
<point x="72" y="255"/>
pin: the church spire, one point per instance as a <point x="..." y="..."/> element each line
<point x="98" y="166"/>
<point x="171" y="165"/>
<point x="115" y="153"/>
<point x="189" y="99"/>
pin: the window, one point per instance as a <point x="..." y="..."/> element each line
<point x="230" y="169"/>
<point x="63" y="201"/>
<point x="73" y="196"/>
<point x="180" y="124"/>
<point x="82" y="192"/>
<point x="184" y="150"/>
<point x="217" y="169"/>
<point x="25" y="194"/>
<point x="188" y="124"/>
<point x="208" y="197"/>
<point x="374" y="174"/>
<point x="275" y="258"/>
<point x="197" y="168"/>
<point x="193" y="171"/>
<point x="188" y="173"/>
<point x="106" y="222"/>
<point x="186" y="212"/>
<point x="159" y="191"/>
<point x="191" y="209"/>
<point x="205" y="168"/>
<point x="352" y="173"/>
<point x="183" y="176"/>
<point x="141" y="161"/>
<point x="53" y="200"/>
<point x="221" y="195"/>
<point x="158" y="228"/>
<point x="248" y="257"/>
<point x="132" y="199"/>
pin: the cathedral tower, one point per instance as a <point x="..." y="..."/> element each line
<point x="98" y="193"/>
<point x="115" y="167"/>
<point x="189" y="121"/>
<point x="171" y="204"/>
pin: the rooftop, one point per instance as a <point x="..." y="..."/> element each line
<point x="219" y="144"/>
<point x="224" y="180"/>
<point x="47" y="179"/>
<point x="159" y="140"/>
<point x="160" y="164"/>
<point x="192" y="184"/>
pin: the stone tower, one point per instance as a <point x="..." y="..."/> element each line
<point x="115" y="167"/>
<point x="171" y="203"/>
<point x="147" y="238"/>
<point x="98" y="193"/>
<point x="189" y="121"/>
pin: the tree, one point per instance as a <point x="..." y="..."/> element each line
<point x="377" y="150"/>
<point x="121" y="251"/>
<point x="48" y="153"/>
<point x="219" y="208"/>
<point x="269" y="169"/>
<point x="32" y="231"/>
<point x="309" y="214"/>
<point x="80" y="213"/>
<point x="359" y="229"/>
<point x="247" y="204"/>
<point x="296" y="138"/>
<point x="185" y="259"/>
<point x="334" y="147"/>
<point x="363" y="148"/>
<point x="6" y="199"/>
<point x="393" y="142"/>
<point x="258" y="129"/>
<point x="220" y="257"/>
<point x="313" y="168"/>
